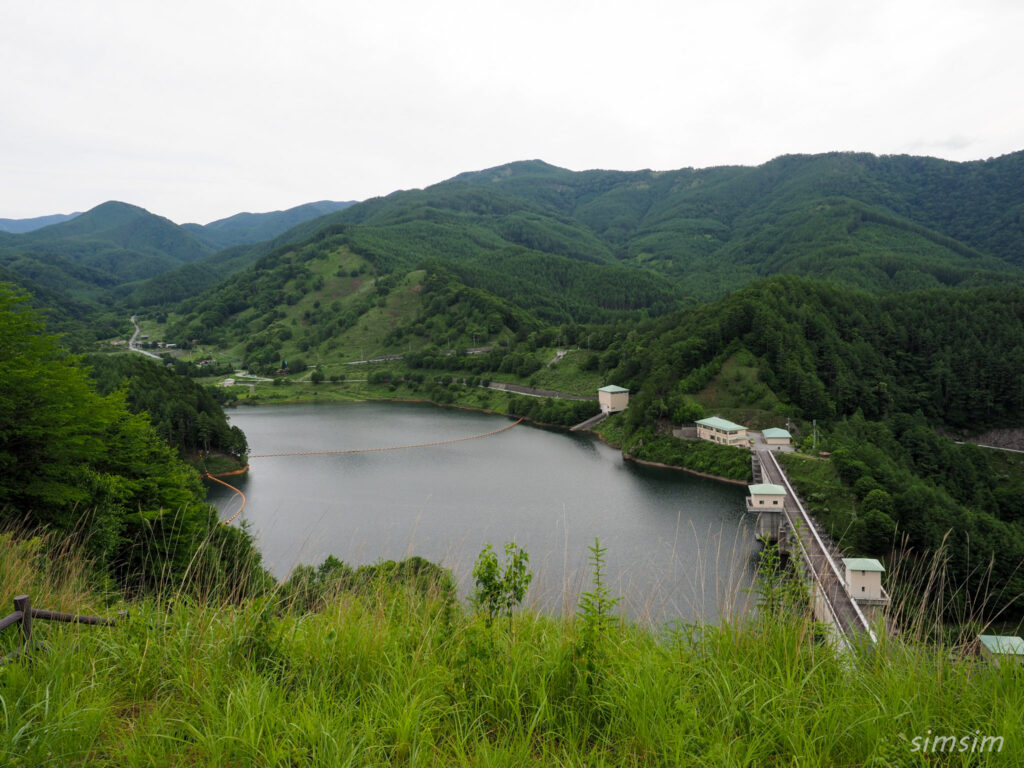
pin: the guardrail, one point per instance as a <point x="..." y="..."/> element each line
<point x="839" y="583"/>
<point x="24" y="613"/>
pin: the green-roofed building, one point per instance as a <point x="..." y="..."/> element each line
<point x="998" y="648"/>
<point x="722" y="431"/>
<point x="864" y="578"/>
<point x="612" y="399"/>
<point x="766" y="497"/>
<point x="776" y="436"/>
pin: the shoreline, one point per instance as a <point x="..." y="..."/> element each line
<point x="659" y="465"/>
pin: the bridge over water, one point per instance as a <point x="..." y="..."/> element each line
<point x="800" y="536"/>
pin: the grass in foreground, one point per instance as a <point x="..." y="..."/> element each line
<point x="388" y="675"/>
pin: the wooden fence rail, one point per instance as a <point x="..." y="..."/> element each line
<point x="24" y="613"/>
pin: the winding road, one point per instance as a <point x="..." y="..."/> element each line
<point x="133" y="344"/>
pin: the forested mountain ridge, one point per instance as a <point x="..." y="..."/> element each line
<point x="954" y="355"/>
<point x="978" y="203"/>
<point x="117" y="242"/>
<point x="601" y="246"/>
<point x="877" y="223"/>
<point x="96" y="259"/>
<point x="948" y="214"/>
<point x="244" y="228"/>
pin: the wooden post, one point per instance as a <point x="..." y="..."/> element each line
<point x="23" y="604"/>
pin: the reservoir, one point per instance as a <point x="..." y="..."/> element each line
<point x="678" y="546"/>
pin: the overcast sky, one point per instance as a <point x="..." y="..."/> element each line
<point x="199" y="110"/>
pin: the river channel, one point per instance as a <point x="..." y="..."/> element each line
<point x="678" y="547"/>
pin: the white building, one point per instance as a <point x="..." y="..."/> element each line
<point x="721" y="431"/>
<point x="766" y="497"/>
<point x="776" y="436"/>
<point x="612" y="399"/>
<point x="864" y="582"/>
<point x="864" y="577"/>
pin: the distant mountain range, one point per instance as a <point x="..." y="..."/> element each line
<point x="570" y="246"/>
<point x="21" y="226"/>
<point x="114" y="244"/>
<point x="245" y="228"/>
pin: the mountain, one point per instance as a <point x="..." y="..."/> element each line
<point x="933" y="221"/>
<point x="20" y="226"/>
<point x="81" y="261"/>
<point x="245" y="228"/>
<point x="98" y="235"/>
<point x="118" y="242"/>
<point x="591" y="247"/>
<point x="877" y="223"/>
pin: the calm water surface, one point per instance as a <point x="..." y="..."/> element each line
<point x="678" y="546"/>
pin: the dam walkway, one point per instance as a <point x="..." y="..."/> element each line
<point x="833" y="603"/>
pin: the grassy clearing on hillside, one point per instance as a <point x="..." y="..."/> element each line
<point x="823" y="491"/>
<point x="387" y="676"/>
<point x="566" y="375"/>
<point x="738" y="393"/>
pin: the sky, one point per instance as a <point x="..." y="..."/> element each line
<point x="196" y="110"/>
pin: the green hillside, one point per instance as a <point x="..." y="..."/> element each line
<point x="122" y="239"/>
<point x="928" y="220"/>
<point x="88" y="469"/>
<point x="324" y="302"/>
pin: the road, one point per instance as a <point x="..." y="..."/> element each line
<point x="133" y="344"/>
<point x="534" y="392"/>
<point x="392" y="358"/>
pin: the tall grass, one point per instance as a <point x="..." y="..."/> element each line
<point x="392" y="673"/>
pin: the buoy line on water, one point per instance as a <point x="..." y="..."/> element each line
<point x="386" y="448"/>
<point x="234" y="517"/>
<point x="231" y="519"/>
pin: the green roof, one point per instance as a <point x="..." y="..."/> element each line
<point x="767" y="489"/>
<point x="1004" y="644"/>
<point x="613" y="389"/>
<point x="776" y="432"/>
<point x="863" y="564"/>
<point x="717" y="423"/>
